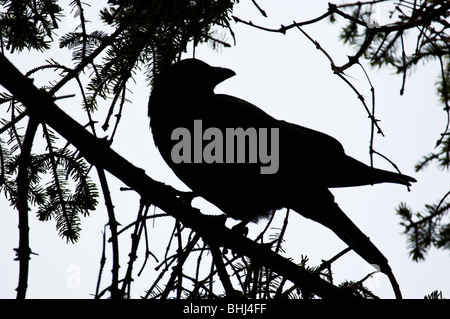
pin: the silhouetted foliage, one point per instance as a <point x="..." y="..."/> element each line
<point x="28" y="24"/>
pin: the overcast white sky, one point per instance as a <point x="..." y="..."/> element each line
<point x="287" y="77"/>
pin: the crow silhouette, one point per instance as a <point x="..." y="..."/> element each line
<point x="309" y="162"/>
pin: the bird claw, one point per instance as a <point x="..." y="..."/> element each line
<point x="240" y="229"/>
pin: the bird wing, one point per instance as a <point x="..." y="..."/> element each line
<point x="306" y="156"/>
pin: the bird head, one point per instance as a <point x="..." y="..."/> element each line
<point x="193" y="75"/>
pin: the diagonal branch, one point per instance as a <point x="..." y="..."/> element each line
<point x="41" y="106"/>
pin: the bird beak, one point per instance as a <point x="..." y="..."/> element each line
<point x="221" y="74"/>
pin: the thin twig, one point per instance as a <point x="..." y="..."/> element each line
<point x="23" y="252"/>
<point x="222" y="272"/>
<point x="177" y="269"/>
<point x="372" y="126"/>
<point x="112" y="222"/>
<point x="338" y="72"/>
<point x="135" y="238"/>
<point x="327" y="263"/>
<point x="283" y="29"/>
<point x="263" y="13"/>
<point x="13" y="122"/>
<point x="102" y="264"/>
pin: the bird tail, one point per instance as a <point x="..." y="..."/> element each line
<point x="361" y="174"/>
<point x="331" y="216"/>
<point x="382" y="176"/>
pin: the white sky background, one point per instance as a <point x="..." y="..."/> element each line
<point x="288" y="78"/>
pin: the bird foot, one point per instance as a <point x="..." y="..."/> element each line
<point x="241" y="229"/>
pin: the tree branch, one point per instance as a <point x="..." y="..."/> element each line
<point x="112" y="222"/>
<point x="41" y="106"/>
<point x="24" y="251"/>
